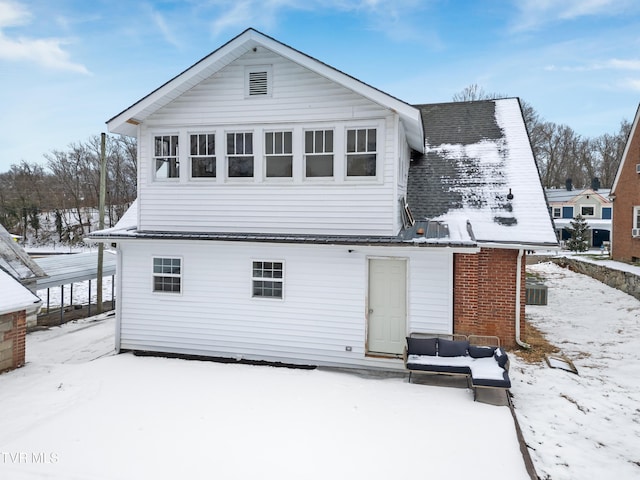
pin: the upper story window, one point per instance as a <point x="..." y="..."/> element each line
<point x="557" y="212"/>
<point x="588" y="210"/>
<point x="567" y="212"/>
<point x="165" y="155"/>
<point x="318" y="153"/>
<point x="606" y="213"/>
<point x="240" y="155"/>
<point x="167" y="275"/>
<point x="202" y="155"/>
<point x="361" y="152"/>
<point x="278" y="152"/>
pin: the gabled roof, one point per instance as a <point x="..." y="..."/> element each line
<point x="126" y="121"/>
<point x="634" y="131"/>
<point x="477" y="153"/>
<point x="15" y="261"/>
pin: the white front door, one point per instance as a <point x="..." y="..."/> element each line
<point x="387" y="306"/>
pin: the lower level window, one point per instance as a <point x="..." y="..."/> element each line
<point x="267" y="279"/>
<point x="167" y="275"/>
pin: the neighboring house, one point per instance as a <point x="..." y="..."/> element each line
<point x="274" y="220"/>
<point x="15" y="301"/>
<point x="17" y="263"/>
<point x="626" y="200"/>
<point x="593" y="204"/>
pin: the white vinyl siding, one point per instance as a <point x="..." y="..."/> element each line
<point x="300" y="101"/>
<point x="322" y="313"/>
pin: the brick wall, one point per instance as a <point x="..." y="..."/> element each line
<point x="623" y="246"/>
<point x="13" y="330"/>
<point x="484" y="296"/>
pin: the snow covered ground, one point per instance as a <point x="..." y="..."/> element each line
<point x="78" y="411"/>
<point x="585" y="425"/>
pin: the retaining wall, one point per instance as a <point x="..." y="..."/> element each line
<point x="624" y="281"/>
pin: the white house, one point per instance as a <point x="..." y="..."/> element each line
<point x="275" y="215"/>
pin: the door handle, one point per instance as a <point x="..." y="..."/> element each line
<point x="370" y="310"/>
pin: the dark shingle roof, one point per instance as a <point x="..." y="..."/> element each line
<point x="430" y="176"/>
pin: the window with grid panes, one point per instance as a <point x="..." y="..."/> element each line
<point x="240" y="154"/>
<point x="202" y="149"/>
<point x="267" y="279"/>
<point x="361" y="152"/>
<point x="318" y="153"/>
<point x="278" y="154"/>
<point x="165" y="155"/>
<point x="167" y="275"/>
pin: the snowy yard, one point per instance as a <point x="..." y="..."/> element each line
<point x="586" y="425"/>
<point x="78" y="411"/>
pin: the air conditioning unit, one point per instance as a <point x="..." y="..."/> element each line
<point x="635" y="232"/>
<point x="637" y="167"/>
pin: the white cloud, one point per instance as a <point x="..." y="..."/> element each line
<point x="46" y="52"/>
<point x="167" y="33"/>
<point x="12" y="13"/>
<point x="632" y="84"/>
<point x="393" y="18"/>
<point x="532" y="14"/>
<point x="612" y="64"/>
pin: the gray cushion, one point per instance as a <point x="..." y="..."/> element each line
<point x="421" y="346"/>
<point x="452" y="348"/>
<point x="476" y="351"/>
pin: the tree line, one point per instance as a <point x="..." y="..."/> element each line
<point x="67" y="188"/>
<point x="562" y="154"/>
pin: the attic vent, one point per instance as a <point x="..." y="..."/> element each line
<point x="258" y="81"/>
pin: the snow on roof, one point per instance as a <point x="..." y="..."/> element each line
<point x="562" y="195"/>
<point x="15" y="297"/>
<point x="14" y="260"/>
<point x="477" y="154"/>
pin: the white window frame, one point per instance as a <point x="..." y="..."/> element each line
<point x="636" y="216"/>
<point x="251" y="70"/>
<point x="366" y="151"/>
<point x="200" y="155"/>
<point x="595" y="210"/>
<point x="316" y="153"/>
<point x="557" y="212"/>
<point x="162" y="156"/>
<point x="252" y="155"/>
<point x="274" y="154"/>
<point x="260" y="278"/>
<point x="155" y="274"/>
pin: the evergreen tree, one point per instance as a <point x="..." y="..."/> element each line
<point x="579" y="231"/>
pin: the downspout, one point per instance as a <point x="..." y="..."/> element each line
<point x="518" y="297"/>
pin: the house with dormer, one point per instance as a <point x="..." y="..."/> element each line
<point x="625" y="194"/>
<point x="288" y="212"/>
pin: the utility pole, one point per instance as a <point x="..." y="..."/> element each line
<point x="103" y="191"/>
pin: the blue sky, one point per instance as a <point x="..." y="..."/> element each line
<point x="66" y="66"/>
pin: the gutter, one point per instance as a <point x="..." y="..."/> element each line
<point x="518" y="299"/>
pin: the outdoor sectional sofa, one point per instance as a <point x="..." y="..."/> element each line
<point x="485" y="366"/>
